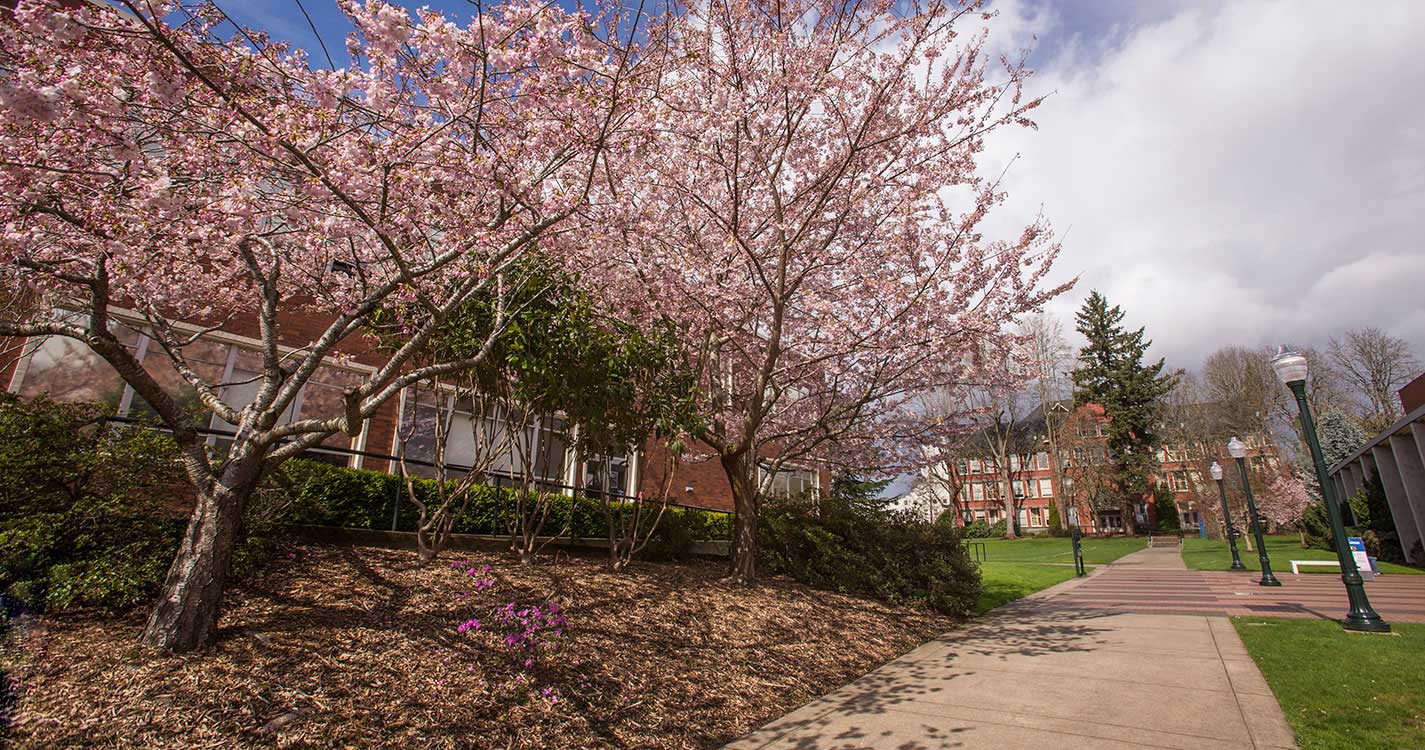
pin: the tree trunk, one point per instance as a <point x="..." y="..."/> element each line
<point x="186" y="616"/>
<point x="742" y="475"/>
<point x="1011" y="512"/>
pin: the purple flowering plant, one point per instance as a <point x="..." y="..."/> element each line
<point x="527" y="631"/>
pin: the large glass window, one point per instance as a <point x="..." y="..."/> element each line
<point x="790" y="482"/>
<point x="607" y="474"/>
<point x="483" y="437"/>
<point x="68" y="370"/>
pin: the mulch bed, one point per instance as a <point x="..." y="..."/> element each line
<point x="357" y="647"/>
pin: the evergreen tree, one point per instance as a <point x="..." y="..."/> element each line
<point x="1112" y="374"/>
<point x="1340" y="438"/>
<point x="1165" y="511"/>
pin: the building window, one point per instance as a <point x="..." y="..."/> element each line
<point x="1046" y="488"/>
<point x="68" y="370"/>
<point x="611" y="469"/>
<point x="485" y="437"/>
<point x="1036" y="517"/>
<point x="1110" y="520"/>
<point x="790" y="482"/>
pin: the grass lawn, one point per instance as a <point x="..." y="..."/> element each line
<point x="1213" y="554"/>
<point x="1006" y="581"/>
<point x="1339" y="690"/>
<point x="1059" y="549"/>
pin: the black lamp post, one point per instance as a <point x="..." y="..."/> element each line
<point x="1216" y="472"/>
<point x="1238" y="450"/>
<point x="1291" y="369"/>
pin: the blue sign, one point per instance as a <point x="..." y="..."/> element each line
<point x="1358" y="553"/>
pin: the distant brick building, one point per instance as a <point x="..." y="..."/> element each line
<point x="1078" y="477"/>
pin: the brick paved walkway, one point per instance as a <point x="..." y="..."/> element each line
<point x="1150" y="589"/>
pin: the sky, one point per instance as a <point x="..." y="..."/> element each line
<point x="1230" y="172"/>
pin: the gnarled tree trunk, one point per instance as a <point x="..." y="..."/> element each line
<point x="186" y="617"/>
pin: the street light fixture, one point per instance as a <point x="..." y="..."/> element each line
<point x="1292" y="369"/>
<point x="1238" y="450"/>
<point x="1216" y="472"/>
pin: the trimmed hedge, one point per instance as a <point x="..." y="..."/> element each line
<point x="327" y="495"/>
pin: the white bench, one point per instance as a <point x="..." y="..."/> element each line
<point x="1298" y="563"/>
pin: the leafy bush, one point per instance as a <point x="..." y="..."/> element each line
<point x="91" y="512"/>
<point x="84" y="521"/>
<point x="868" y="552"/>
<point x="979" y="529"/>
<point x="1367" y="516"/>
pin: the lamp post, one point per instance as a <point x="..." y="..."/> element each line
<point x="1216" y="471"/>
<point x="1238" y="450"/>
<point x="1291" y="369"/>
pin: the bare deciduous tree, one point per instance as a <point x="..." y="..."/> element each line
<point x="1050" y="356"/>
<point x="1374" y="365"/>
<point x="489" y="440"/>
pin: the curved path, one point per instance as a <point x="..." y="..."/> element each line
<point x="1071" y="667"/>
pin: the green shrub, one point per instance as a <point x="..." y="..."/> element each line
<point x="868" y="553"/>
<point x="83" y="507"/>
<point x="325" y="495"/>
<point x="91" y="511"/>
<point x="980" y="529"/>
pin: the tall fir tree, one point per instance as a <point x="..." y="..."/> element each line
<point x="1112" y="374"/>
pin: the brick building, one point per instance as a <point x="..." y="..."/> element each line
<point x="1076" y="476"/>
<point x="67" y="370"/>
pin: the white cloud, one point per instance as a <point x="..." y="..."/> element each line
<point x="1236" y="173"/>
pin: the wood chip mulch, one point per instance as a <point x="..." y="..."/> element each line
<point x="358" y="648"/>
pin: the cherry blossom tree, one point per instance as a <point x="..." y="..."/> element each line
<point x="157" y="173"/>
<point x="1285" y="500"/>
<point x="808" y="209"/>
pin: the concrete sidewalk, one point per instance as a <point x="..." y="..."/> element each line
<point x="1036" y="674"/>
